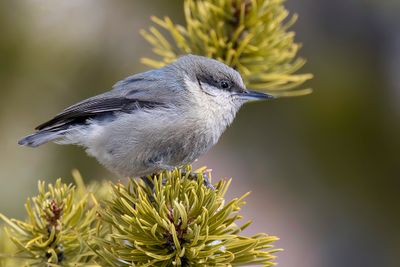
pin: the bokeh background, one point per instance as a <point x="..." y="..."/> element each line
<point x="324" y="170"/>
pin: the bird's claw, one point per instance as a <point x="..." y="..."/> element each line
<point x="206" y="179"/>
<point x="207" y="182"/>
<point x="194" y="176"/>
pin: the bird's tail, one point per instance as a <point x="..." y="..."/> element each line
<point x="40" y="138"/>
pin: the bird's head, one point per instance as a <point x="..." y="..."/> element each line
<point x="216" y="80"/>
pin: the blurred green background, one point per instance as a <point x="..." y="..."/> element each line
<point x="324" y="169"/>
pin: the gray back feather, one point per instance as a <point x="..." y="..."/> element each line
<point x="148" y="90"/>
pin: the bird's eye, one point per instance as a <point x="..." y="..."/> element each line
<point x="225" y="84"/>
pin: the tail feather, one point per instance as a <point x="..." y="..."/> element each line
<point x="39" y="138"/>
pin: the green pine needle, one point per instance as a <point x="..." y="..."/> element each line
<point x="59" y="223"/>
<point x="172" y="220"/>
<point x="251" y="36"/>
<point x="177" y="222"/>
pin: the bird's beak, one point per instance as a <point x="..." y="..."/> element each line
<point x="249" y="95"/>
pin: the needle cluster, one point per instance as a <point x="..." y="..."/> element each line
<point x="58" y="225"/>
<point x="178" y="221"/>
<point x="170" y="220"/>
<point x="252" y="36"/>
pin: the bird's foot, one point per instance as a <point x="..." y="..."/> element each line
<point x="191" y="175"/>
<point x="196" y="176"/>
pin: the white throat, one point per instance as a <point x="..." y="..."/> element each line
<point x="216" y="109"/>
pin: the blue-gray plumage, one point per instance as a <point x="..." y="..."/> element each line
<point x="154" y="120"/>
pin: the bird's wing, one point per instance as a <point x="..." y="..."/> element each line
<point x="144" y="90"/>
<point x="91" y="107"/>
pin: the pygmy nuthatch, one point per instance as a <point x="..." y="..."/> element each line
<point x="159" y="119"/>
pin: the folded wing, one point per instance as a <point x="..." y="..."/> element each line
<point x="95" y="106"/>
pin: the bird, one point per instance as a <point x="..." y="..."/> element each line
<point x="152" y="121"/>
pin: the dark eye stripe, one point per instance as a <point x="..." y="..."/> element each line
<point x="201" y="87"/>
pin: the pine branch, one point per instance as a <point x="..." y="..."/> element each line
<point x="177" y="221"/>
<point x="173" y="220"/>
<point x="60" y="221"/>
<point x="251" y="36"/>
